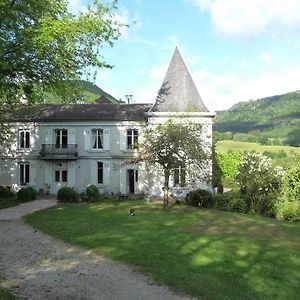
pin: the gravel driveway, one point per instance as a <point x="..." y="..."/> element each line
<point x="38" y="266"/>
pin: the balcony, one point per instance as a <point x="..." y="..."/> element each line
<point x="53" y="151"/>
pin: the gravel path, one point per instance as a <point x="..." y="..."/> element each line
<point x="38" y="266"/>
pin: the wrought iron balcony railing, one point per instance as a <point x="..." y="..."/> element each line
<point x="53" y="151"/>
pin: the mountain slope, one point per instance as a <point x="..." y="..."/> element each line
<point x="276" y="117"/>
<point x="90" y="92"/>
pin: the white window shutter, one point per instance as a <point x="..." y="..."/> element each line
<point x="93" y="170"/>
<point x="123" y="139"/>
<point x="32" y="139"/>
<point x="106" y="173"/>
<point x="87" y="139"/>
<point x="71" y="136"/>
<point x="32" y="173"/>
<point x="106" y="139"/>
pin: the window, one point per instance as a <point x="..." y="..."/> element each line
<point x="132" y="138"/>
<point x="61" y="176"/>
<point x="64" y="176"/>
<point x="97" y="138"/>
<point x="24" y="173"/>
<point x="179" y="176"/>
<point x="61" y="138"/>
<point x="24" y="139"/>
<point x="100" y="171"/>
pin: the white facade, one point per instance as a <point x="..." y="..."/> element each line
<point x="64" y="145"/>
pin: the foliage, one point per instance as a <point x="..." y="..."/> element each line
<point x="67" y="194"/>
<point x="216" y="170"/>
<point x="172" y="145"/>
<point x="231" y="201"/>
<point x="291" y="183"/>
<point x="259" y="183"/>
<point x="44" y="47"/>
<point x="199" y="197"/>
<point x="33" y="192"/>
<point x="264" y="120"/>
<point x="24" y="195"/>
<point x="92" y="193"/>
<point x="8" y="202"/>
<point x="287" y="211"/>
<point x="228" y="163"/>
<point x="209" y="254"/>
<point x="5" y="192"/>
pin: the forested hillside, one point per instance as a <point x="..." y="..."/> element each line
<point x="272" y="120"/>
<point x="90" y="92"/>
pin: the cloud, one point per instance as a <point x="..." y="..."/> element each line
<point x="251" y="17"/>
<point x="76" y="6"/>
<point x="222" y="91"/>
<point x="123" y="18"/>
<point x="266" y="57"/>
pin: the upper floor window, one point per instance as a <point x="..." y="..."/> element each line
<point x="132" y="138"/>
<point x="24" y="139"/>
<point x="100" y="171"/>
<point x="24" y="173"/>
<point x="61" y="138"/>
<point x="97" y="138"/>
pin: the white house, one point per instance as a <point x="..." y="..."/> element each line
<point x="81" y="144"/>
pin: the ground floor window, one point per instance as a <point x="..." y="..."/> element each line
<point x="100" y="171"/>
<point x="61" y="176"/>
<point x="24" y="170"/>
<point x="179" y="176"/>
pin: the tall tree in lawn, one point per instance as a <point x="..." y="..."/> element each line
<point x="43" y="48"/>
<point x="172" y="145"/>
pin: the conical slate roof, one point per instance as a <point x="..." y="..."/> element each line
<point x="178" y="92"/>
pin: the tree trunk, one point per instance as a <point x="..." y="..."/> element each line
<point x="166" y="188"/>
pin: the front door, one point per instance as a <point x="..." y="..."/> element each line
<point x="130" y="176"/>
<point x="60" y="176"/>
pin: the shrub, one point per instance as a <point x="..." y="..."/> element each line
<point x="33" y="192"/>
<point x="291" y="183"/>
<point x="231" y="201"/>
<point x="24" y="195"/>
<point x="287" y="211"/>
<point x="67" y="194"/>
<point x="259" y="183"/>
<point x="200" y="198"/>
<point x="5" y="192"/>
<point x="92" y="193"/>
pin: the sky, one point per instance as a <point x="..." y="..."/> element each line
<point x="235" y="50"/>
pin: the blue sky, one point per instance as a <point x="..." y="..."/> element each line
<point x="235" y="50"/>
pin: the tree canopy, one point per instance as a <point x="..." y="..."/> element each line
<point x="173" y="145"/>
<point x="43" y="47"/>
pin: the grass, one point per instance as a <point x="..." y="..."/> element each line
<point x="226" y="145"/>
<point x="5" y="293"/>
<point x="205" y="253"/>
<point x="8" y="202"/>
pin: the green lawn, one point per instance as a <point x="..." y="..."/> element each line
<point x="5" y="293"/>
<point x="205" y="253"/>
<point x="226" y="145"/>
<point x="8" y="202"/>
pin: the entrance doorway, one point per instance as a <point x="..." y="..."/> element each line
<point x="60" y="175"/>
<point x="132" y="179"/>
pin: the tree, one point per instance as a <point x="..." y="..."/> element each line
<point x="172" y="145"/>
<point x="43" y="48"/>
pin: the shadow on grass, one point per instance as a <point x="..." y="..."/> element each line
<point x="207" y="253"/>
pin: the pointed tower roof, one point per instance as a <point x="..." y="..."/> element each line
<point x="178" y="92"/>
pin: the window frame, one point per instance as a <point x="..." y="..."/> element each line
<point x="95" y="136"/>
<point x="24" y="138"/>
<point x="24" y="173"/>
<point x="100" y="172"/>
<point x="132" y="138"/>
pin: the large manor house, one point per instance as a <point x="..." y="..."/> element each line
<point x="76" y="145"/>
